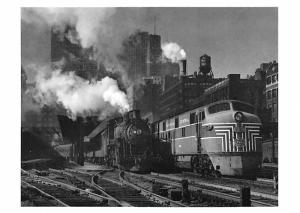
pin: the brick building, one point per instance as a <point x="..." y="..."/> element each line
<point x="184" y="92"/>
<point x="270" y="122"/>
<point x="271" y="90"/>
<point x="235" y="88"/>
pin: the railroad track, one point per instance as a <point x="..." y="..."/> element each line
<point x="223" y="193"/>
<point x="62" y="194"/>
<point x="31" y="196"/>
<point x="126" y="193"/>
<point x="258" y="188"/>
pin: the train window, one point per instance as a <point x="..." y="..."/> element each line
<point x="176" y="122"/>
<point x="183" y="132"/>
<point x="200" y="115"/>
<point x="203" y="115"/>
<point x="164" y="126"/>
<point x="192" y="117"/>
<point x="238" y="106"/>
<point x="218" y="108"/>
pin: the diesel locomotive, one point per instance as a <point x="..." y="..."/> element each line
<point x="223" y="138"/>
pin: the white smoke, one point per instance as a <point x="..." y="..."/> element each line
<point x="173" y="51"/>
<point x="79" y="96"/>
<point x="100" y="28"/>
<point x="89" y="22"/>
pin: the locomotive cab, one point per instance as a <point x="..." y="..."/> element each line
<point x="133" y="114"/>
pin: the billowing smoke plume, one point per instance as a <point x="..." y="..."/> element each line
<point x="173" y="51"/>
<point x="102" y="30"/>
<point x="79" y="96"/>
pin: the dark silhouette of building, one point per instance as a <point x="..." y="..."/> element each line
<point x="75" y="57"/>
<point x="272" y="90"/>
<point x="269" y="73"/>
<point x="235" y="88"/>
<point x="141" y="55"/>
<point x="185" y="92"/>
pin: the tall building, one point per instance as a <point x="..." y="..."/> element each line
<point x="270" y="122"/>
<point x="142" y="59"/>
<point x="271" y="90"/>
<point x="141" y="55"/>
<point x="75" y="57"/>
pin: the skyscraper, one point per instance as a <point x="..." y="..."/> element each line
<point x="141" y="56"/>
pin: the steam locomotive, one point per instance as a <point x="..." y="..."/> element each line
<point x="126" y="142"/>
<point x="223" y="138"/>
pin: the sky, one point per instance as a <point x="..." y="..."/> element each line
<point x="237" y="39"/>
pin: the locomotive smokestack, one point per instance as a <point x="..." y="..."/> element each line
<point x="183" y="67"/>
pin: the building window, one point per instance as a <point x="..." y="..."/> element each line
<point x="269" y="94"/>
<point x="176" y="122"/>
<point x="270" y="106"/>
<point x="269" y="80"/>
<point x="192" y="117"/>
<point x="164" y="126"/>
<point x="273" y="78"/>
<point x="183" y="132"/>
<point x="274" y="107"/>
<point x="169" y="135"/>
<point x="274" y="93"/>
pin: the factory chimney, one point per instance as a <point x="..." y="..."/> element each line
<point x="183" y="67"/>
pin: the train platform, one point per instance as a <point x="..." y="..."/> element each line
<point x="90" y="167"/>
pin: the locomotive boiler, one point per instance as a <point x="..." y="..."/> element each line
<point x="123" y="142"/>
<point x="131" y="147"/>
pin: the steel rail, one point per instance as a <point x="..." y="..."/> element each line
<point x="59" y="202"/>
<point x="156" y="197"/>
<point x="68" y="186"/>
<point x="233" y="189"/>
<point x="91" y="184"/>
<point x="205" y="191"/>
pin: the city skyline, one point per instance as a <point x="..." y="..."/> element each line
<point x="237" y="39"/>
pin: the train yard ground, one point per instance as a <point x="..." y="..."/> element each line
<point x="95" y="185"/>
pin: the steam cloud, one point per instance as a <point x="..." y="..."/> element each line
<point x="79" y="96"/>
<point x="100" y="28"/>
<point x="173" y="51"/>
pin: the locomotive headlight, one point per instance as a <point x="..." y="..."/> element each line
<point x="239" y="117"/>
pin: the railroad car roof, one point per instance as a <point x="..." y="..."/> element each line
<point x="208" y="105"/>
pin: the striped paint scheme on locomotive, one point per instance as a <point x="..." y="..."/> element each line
<point x="233" y="147"/>
<point x="225" y="131"/>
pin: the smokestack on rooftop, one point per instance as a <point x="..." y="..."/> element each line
<point x="183" y="67"/>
